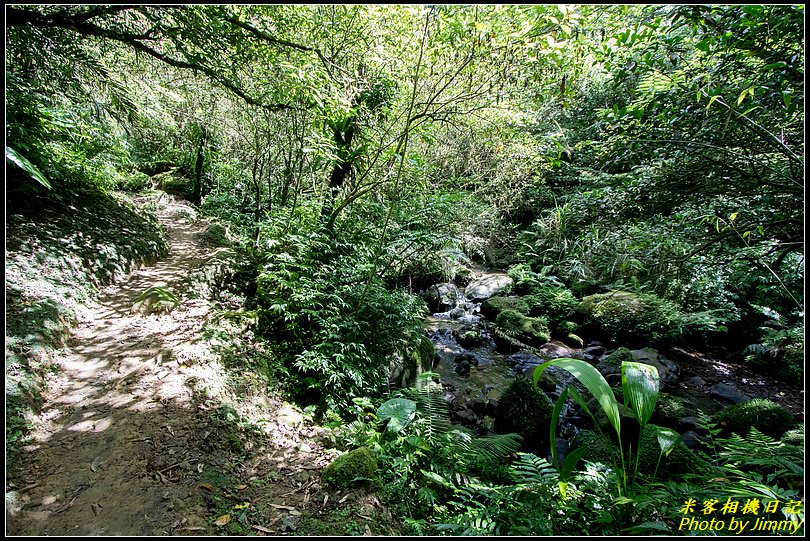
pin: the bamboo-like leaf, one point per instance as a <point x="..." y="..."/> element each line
<point x="667" y="438"/>
<point x="593" y="381"/>
<point x="640" y="389"/>
<point x="398" y="412"/>
<point x="23" y="163"/>
<point x="555" y="419"/>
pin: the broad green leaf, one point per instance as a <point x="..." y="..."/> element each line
<point x="398" y="412"/>
<point x="21" y="162"/>
<point x="640" y="389"/>
<point x="435" y="477"/>
<point x="667" y="438"/>
<point x="555" y="419"/>
<point x="593" y="381"/>
<point x="571" y="461"/>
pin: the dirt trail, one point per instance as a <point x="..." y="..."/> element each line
<point x="142" y="435"/>
<point x="118" y="390"/>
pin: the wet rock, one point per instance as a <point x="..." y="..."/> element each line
<point x="463" y="368"/>
<point x="556" y="349"/>
<point x="692" y="439"/>
<point x="610" y="365"/>
<point x="595" y="351"/>
<point x="727" y="393"/>
<point x="469" y="357"/>
<point x="695" y="381"/>
<point x="469" y="339"/>
<point x="478" y="406"/>
<point x="487" y="286"/>
<point x="442" y="297"/>
<point x="457" y="313"/>
<point x="562" y="445"/>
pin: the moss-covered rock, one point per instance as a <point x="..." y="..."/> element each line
<point x="768" y="417"/>
<point x="350" y="468"/>
<point x="681" y="460"/>
<point x="469" y="339"/>
<point x="598" y="448"/>
<point x="554" y="302"/>
<point x="526" y="410"/>
<point x="217" y="235"/>
<point x="669" y="410"/>
<point x="629" y="317"/>
<point x="529" y="330"/>
<point x="493" y="306"/>
<point x="173" y="183"/>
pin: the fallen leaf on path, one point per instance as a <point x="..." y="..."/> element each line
<point x="96" y="465"/>
<point x="262" y="529"/>
<point x="207" y="486"/>
<point x="287" y="507"/>
<point x="241" y="487"/>
<point x="223" y="520"/>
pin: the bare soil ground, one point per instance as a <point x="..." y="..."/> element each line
<point x="142" y="434"/>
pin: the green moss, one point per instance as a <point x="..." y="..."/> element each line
<point x="629" y="317"/>
<point x="351" y="467"/>
<point x="526" y="410"/>
<point x="617" y="357"/>
<point x="493" y="306"/>
<point x="555" y="302"/>
<point x="566" y="327"/>
<point x="669" y="410"/>
<point x="681" y="459"/>
<point x="598" y="448"/>
<point x="768" y="417"/>
<point x="217" y="235"/>
<point x="530" y="330"/>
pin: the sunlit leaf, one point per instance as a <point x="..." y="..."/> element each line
<point x="640" y="389"/>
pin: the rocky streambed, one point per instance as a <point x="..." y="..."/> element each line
<point x="476" y="363"/>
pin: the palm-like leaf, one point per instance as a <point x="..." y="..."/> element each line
<point x="640" y="389"/>
<point x="593" y="381"/>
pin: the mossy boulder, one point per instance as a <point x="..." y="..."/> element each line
<point x="669" y="410"/>
<point x="217" y="235"/>
<point x="350" y="468"/>
<point x="528" y="330"/>
<point x="681" y="460"/>
<point x="768" y="417"/>
<point x="629" y="317"/>
<point x="493" y="306"/>
<point x="469" y="339"/>
<point x="526" y="410"/>
<point x="554" y="302"/>
<point x="173" y="183"/>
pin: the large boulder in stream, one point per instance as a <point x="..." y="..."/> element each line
<point x="629" y="317"/>
<point x="442" y="297"/>
<point x="526" y="410"/>
<point x="513" y="329"/>
<point x="493" y="306"/>
<point x="488" y="286"/>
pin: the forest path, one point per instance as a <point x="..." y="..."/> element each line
<point x="94" y="463"/>
<point x="144" y="433"/>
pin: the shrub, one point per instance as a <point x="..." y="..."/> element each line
<point x="351" y="467"/>
<point x="217" y="235"/>
<point x="630" y="317"/>
<point x="493" y="306"/>
<point x="768" y="417"/>
<point x="526" y="410"/>
<point x="530" y="330"/>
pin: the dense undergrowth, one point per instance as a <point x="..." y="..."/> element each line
<point x="638" y="170"/>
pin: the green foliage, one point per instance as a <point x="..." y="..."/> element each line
<point x="526" y="410"/>
<point x="630" y="317"/>
<point x="154" y="300"/>
<point x="351" y="467"/>
<point x="766" y="416"/>
<point x="529" y="330"/>
<point x="333" y="323"/>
